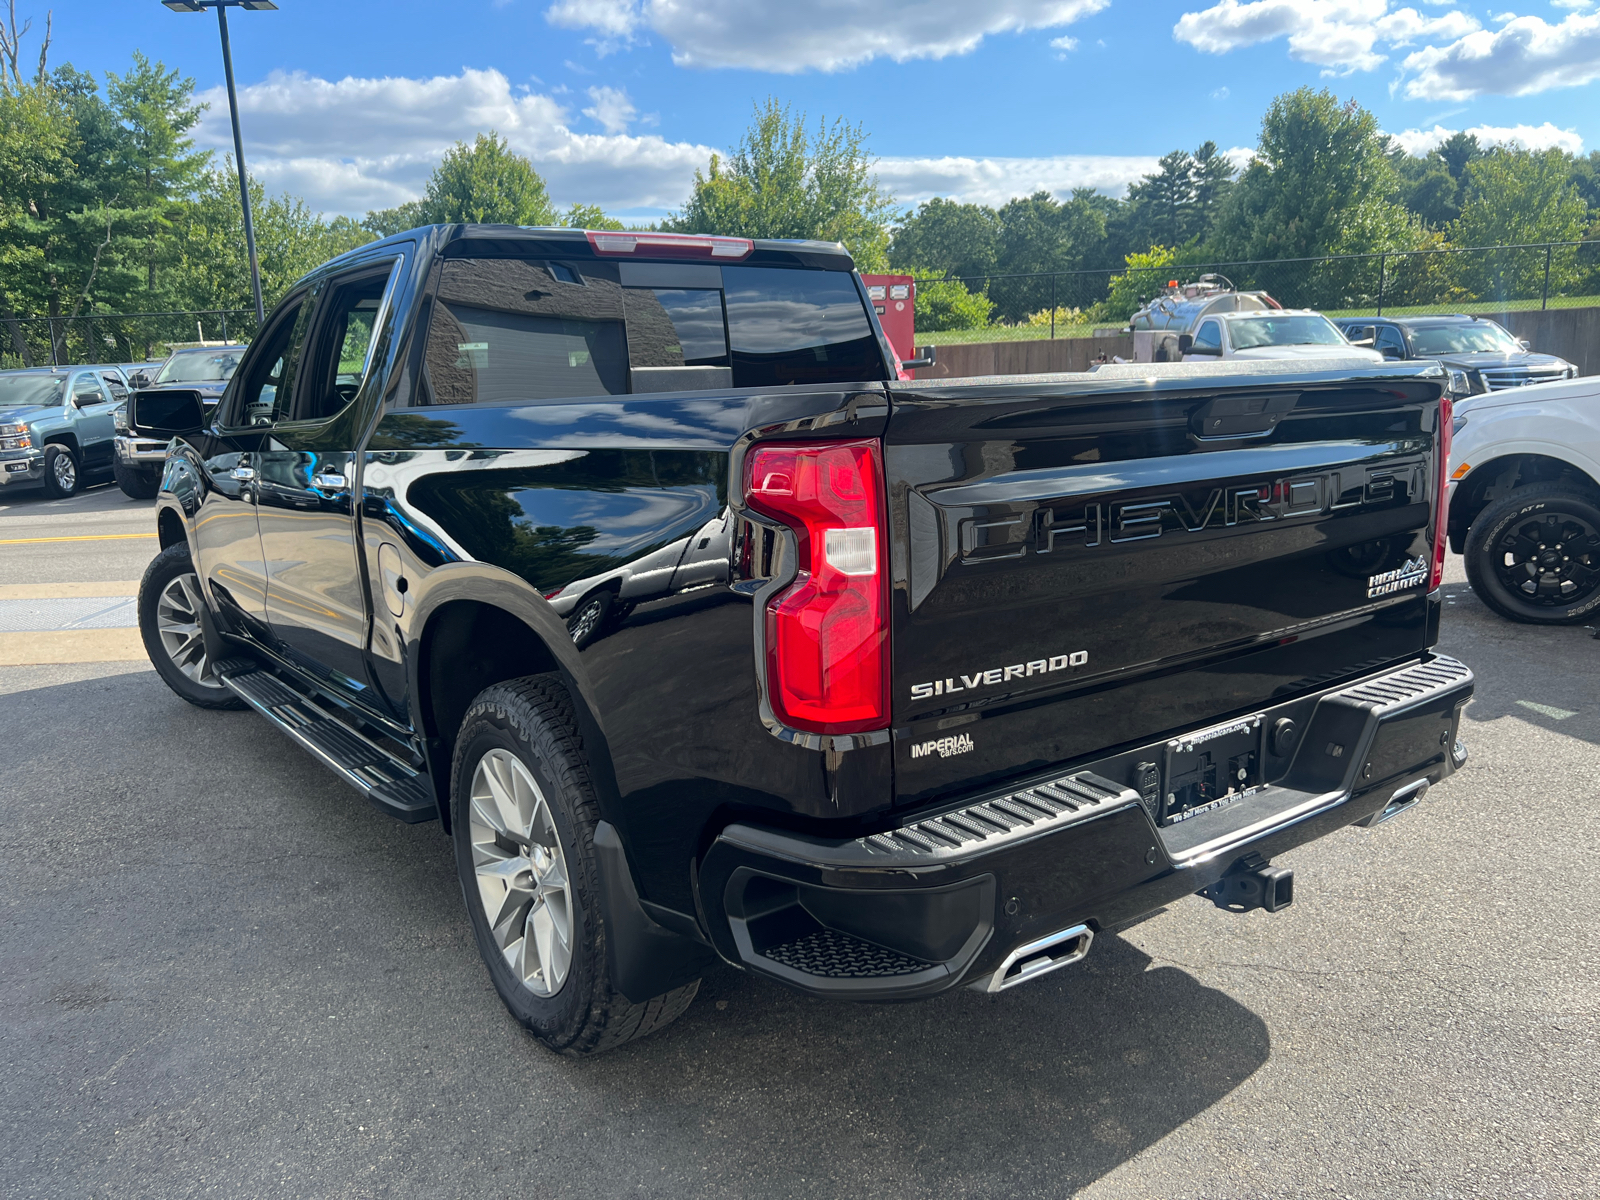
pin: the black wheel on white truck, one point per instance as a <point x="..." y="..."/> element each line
<point x="1534" y="556"/>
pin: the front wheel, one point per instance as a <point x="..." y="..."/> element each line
<point x="169" y="624"/>
<point x="1534" y="556"/>
<point x="137" y="483"/>
<point x="523" y="819"/>
<point x="61" y="477"/>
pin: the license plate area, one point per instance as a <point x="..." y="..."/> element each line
<point x="1211" y="768"/>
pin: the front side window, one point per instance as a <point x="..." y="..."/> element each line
<point x="345" y="321"/>
<point x="795" y="326"/>
<point x="267" y="396"/>
<point x="1300" y="330"/>
<point x="1209" y="337"/>
<point x="1388" y="342"/>
<point x="509" y="329"/>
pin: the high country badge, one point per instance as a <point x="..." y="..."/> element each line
<point x="1385" y="583"/>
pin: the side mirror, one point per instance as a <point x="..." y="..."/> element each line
<point x="1391" y="352"/>
<point x="87" y="399"/>
<point x="139" y="379"/>
<point x="1525" y="343"/>
<point x="171" y="414"/>
<point x="925" y="359"/>
<point x="1185" y="343"/>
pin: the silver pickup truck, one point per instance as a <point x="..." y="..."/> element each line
<point x="57" y="425"/>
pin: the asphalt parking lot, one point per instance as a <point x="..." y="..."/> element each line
<point x="225" y="974"/>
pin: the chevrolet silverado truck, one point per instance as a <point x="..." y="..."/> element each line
<point x="627" y="558"/>
<point x="57" y="425"/>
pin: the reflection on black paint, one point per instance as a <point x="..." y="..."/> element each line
<point x="406" y="431"/>
<point x="544" y="522"/>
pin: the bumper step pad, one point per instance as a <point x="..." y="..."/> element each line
<point x="1045" y="805"/>
<point x="394" y="786"/>
<point x="832" y="954"/>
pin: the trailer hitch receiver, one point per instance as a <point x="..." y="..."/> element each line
<point x="1252" y="883"/>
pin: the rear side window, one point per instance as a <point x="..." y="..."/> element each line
<point x="787" y="326"/>
<point x="524" y="329"/>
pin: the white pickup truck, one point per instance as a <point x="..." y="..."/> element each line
<point x="1525" y="499"/>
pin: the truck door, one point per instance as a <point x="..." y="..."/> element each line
<point x="93" y="406"/>
<point x="227" y="545"/>
<point x="305" y="507"/>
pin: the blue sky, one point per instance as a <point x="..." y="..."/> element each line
<point x="350" y="102"/>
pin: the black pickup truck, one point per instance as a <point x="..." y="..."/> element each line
<point x="633" y="560"/>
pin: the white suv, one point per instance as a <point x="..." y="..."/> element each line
<point x="1525" y="499"/>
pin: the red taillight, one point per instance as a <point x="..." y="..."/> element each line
<point x="827" y="633"/>
<point x="669" y="245"/>
<point x="1441" y="512"/>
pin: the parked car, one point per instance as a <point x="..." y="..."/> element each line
<point x="1525" y="500"/>
<point x="1284" y="333"/>
<point x="57" y="425"/>
<point x="904" y="686"/>
<point x="204" y="370"/>
<point x="1480" y="354"/>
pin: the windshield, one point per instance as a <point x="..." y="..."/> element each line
<point x="19" y="390"/>
<point x="1307" y="330"/>
<point x="200" y="366"/>
<point x="1462" y="339"/>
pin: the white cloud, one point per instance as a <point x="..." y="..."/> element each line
<point x="993" y="181"/>
<point x="1524" y="56"/>
<point x="357" y="144"/>
<point x="784" y="37"/>
<point x="1064" y="44"/>
<point x="612" y="110"/>
<point x="1340" y="35"/>
<point x="1532" y="137"/>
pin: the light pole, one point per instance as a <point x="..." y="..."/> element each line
<point x="222" y="7"/>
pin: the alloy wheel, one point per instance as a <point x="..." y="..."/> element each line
<point x="586" y="621"/>
<point x="1550" y="559"/>
<point x="521" y="872"/>
<point x="66" y="472"/>
<point x="178" y="624"/>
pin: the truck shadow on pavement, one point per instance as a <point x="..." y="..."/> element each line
<point x="194" y="901"/>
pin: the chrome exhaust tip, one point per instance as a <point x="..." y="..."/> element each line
<point x="1403" y="800"/>
<point x="1039" y="958"/>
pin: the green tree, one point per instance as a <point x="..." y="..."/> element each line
<point x="37" y="138"/>
<point x="943" y="236"/>
<point x="1316" y="163"/>
<point x="153" y="159"/>
<point x="386" y="221"/>
<point x="782" y="181"/>
<point x="1213" y="174"/>
<point x="948" y="304"/>
<point x="486" y="183"/>
<point x="1517" y="197"/>
<point x="590" y="216"/>
<point x="209" y="250"/>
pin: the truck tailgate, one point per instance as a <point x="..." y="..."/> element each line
<point x="1089" y="562"/>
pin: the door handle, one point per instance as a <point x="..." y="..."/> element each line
<point x="244" y="473"/>
<point x="328" y="479"/>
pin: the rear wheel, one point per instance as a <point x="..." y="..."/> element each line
<point x="138" y="483"/>
<point x="169" y="624"/>
<point x="61" y="475"/>
<point x="523" y="821"/>
<point x="1534" y="556"/>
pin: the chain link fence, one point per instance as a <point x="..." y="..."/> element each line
<point x="1052" y="304"/>
<point x="116" y="337"/>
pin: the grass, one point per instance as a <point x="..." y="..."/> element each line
<point x="1032" y="333"/>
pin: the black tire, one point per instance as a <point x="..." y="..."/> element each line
<point x="1534" y="556"/>
<point x="137" y="483"/>
<point x="63" y="474"/>
<point x="589" y="620"/>
<point x="532" y="720"/>
<point x="180" y="669"/>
